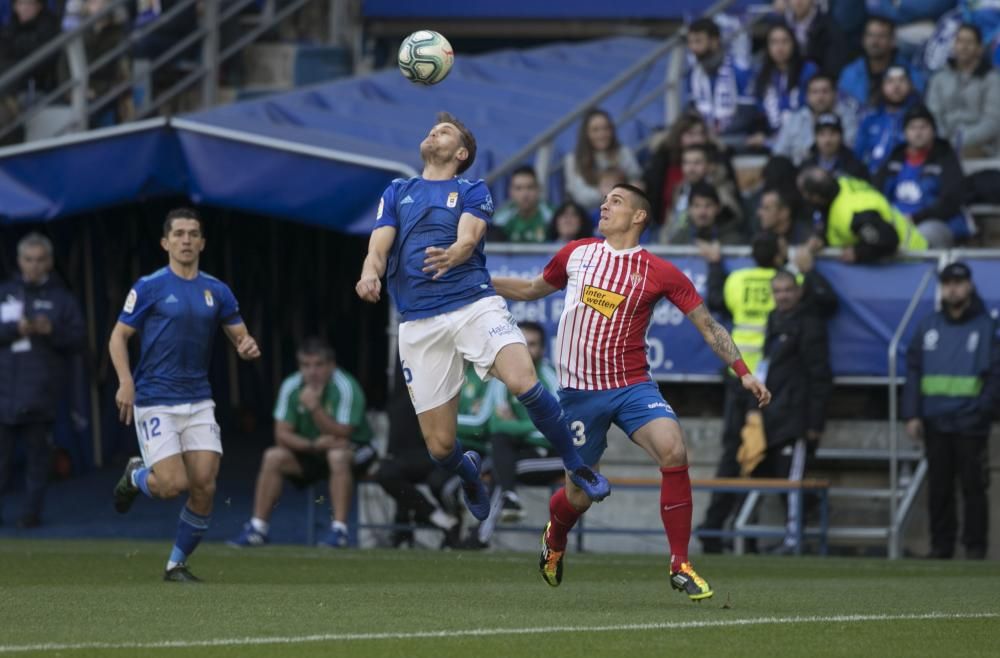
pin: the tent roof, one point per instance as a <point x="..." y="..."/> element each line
<point x="323" y="154"/>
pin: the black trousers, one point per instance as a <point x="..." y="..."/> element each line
<point x="951" y="456"/>
<point x="738" y="401"/>
<point x="36" y="437"/>
<point x="399" y="475"/>
<point x="516" y="462"/>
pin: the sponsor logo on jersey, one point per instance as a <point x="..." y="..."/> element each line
<point x="603" y="301"/>
<point x="171" y="299"/>
<point x="209" y="300"/>
<point x="381" y="208"/>
<point x="452" y="199"/>
<point x="407" y="200"/>
<point x="130" y="301"/>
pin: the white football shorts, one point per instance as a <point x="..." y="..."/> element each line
<point x="434" y="350"/>
<point x="165" y="431"/>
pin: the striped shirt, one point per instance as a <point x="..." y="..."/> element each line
<point x="343" y="400"/>
<point x="610" y="297"/>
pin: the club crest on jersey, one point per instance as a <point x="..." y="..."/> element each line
<point x="603" y="301"/>
<point x="452" y="199"/>
<point x="209" y="300"/>
<point x="636" y="278"/>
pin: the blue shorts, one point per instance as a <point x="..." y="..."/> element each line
<point x="590" y="414"/>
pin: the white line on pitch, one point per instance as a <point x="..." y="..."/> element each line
<point x="486" y="632"/>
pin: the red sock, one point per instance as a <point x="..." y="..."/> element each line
<point x="675" y="510"/>
<point x="563" y="517"/>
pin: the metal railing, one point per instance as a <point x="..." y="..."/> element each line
<point x="541" y="146"/>
<point x="206" y="38"/>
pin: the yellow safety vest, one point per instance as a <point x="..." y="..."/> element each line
<point x="857" y="196"/>
<point x="747" y="293"/>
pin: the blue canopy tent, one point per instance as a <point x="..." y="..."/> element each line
<point x="322" y="155"/>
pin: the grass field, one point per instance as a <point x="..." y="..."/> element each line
<point x="91" y="598"/>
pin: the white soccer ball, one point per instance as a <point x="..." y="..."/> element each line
<point x="425" y="57"/>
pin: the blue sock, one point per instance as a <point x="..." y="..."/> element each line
<point x="190" y="529"/>
<point x="139" y="477"/>
<point x="548" y="418"/>
<point x="457" y="463"/>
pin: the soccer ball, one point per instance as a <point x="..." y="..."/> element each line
<point x="425" y="57"/>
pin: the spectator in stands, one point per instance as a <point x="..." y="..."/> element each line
<point x="780" y="85"/>
<point x="776" y="215"/>
<point x="696" y="166"/>
<point x="818" y="36"/>
<point x="520" y="452"/>
<point x="40" y="327"/>
<point x="881" y="129"/>
<point x="33" y="25"/>
<point x="525" y="217"/>
<point x="951" y="394"/>
<point x="570" y="222"/>
<point x="597" y="149"/>
<point x="716" y="85"/>
<point x="862" y="78"/>
<point x="965" y="98"/>
<point x="923" y="179"/>
<point x="851" y="214"/>
<point x="831" y="153"/>
<point x="707" y="220"/>
<point x="797" y="353"/>
<point x="407" y="464"/>
<point x="663" y="173"/>
<point x="320" y="431"/>
<point x="797" y="130"/>
<point x="105" y="35"/>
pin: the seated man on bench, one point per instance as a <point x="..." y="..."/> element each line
<point x="320" y="431"/>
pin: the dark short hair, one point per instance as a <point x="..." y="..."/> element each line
<point x="972" y="27"/>
<point x="181" y="213"/>
<point x="822" y="75"/>
<point x="468" y="139"/>
<point x="884" y="20"/>
<point x="705" y="149"/>
<point x="704" y="190"/>
<point x="524" y="170"/>
<point x="313" y="346"/>
<point x="819" y="182"/>
<point x="639" y="199"/>
<point x="530" y="325"/>
<point x="705" y="26"/>
<point x="780" y="194"/>
<point x="785" y="274"/>
<point x="765" y="247"/>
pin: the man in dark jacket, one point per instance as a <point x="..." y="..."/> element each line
<point x="830" y="152"/>
<point x="32" y="26"/>
<point x="797" y="364"/>
<point x="952" y="391"/>
<point x="40" y="324"/>
<point x="923" y="179"/>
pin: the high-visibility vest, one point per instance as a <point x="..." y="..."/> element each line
<point x="857" y="196"/>
<point x="747" y="293"/>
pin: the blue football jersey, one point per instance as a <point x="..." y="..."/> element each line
<point x="425" y="214"/>
<point x="176" y="320"/>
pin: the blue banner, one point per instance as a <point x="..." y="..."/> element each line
<point x="873" y="300"/>
<point x="532" y="9"/>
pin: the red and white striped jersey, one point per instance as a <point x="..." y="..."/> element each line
<point x="610" y="297"/>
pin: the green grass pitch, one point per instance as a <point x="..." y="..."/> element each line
<point x="99" y="598"/>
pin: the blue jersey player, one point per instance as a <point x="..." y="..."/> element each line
<point x="428" y="242"/>
<point x="176" y="312"/>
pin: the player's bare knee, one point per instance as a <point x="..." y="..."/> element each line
<point x="673" y="452"/>
<point x="439" y="446"/>
<point x="203" y="491"/>
<point x="171" y="486"/>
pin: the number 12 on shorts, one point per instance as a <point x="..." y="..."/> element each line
<point x="150" y="428"/>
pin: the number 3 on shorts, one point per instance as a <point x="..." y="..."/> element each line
<point x="579" y="432"/>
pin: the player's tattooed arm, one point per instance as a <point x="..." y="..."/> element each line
<point x="715" y="335"/>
